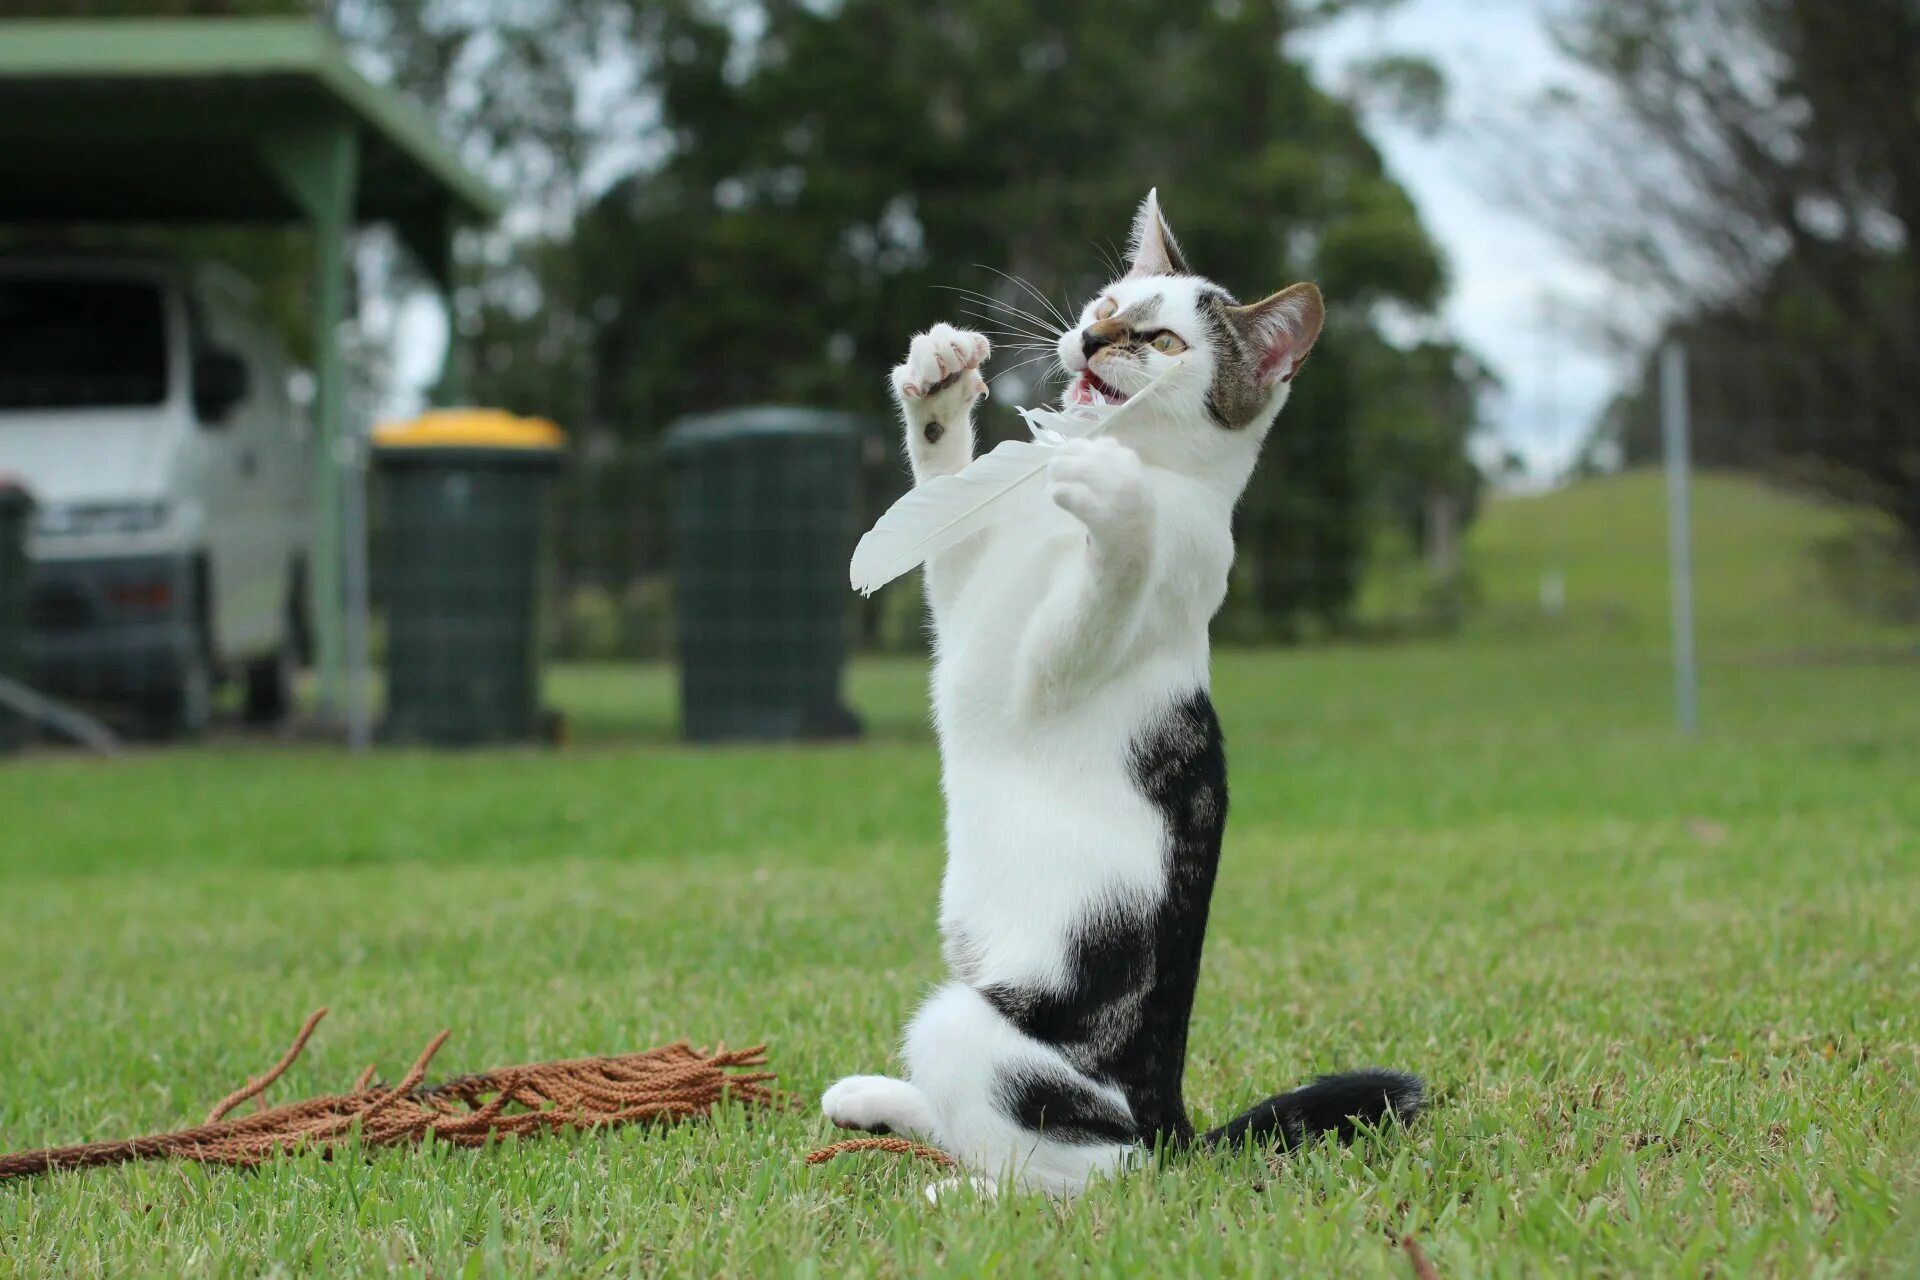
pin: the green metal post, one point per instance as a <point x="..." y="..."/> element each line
<point x="319" y="166"/>
<point x="329" y="299"/>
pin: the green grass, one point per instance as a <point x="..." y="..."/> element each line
<point x="1776" y="574"/>
<point x="1665" y="990"/>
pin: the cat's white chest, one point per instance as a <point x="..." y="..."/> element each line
<point x="1013" y="568"/>
<point x="1046" y="825"/>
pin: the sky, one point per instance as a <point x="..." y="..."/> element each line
<point x="1517" y="297"/>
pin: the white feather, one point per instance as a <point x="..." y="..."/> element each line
<point x="936" y="515"/>
<point x="943" y="511"/>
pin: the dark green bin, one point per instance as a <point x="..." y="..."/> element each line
<point x="16" y="516"/>
<point x="764" y="507"/>
<point x="466" y="503"/>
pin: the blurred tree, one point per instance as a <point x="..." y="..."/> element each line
<point x="1751" y="397"/>
<point x="805" y="182"/>
<point x="156" y="8"/>
<point x="829" y="169"/>
<point x="529" y="89"/>
<point x="1755" y="165"/>
<point x="1423" y="409"/>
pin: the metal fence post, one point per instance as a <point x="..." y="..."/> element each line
<point x="1674" y="430"/>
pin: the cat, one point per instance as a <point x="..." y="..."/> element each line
<point x="1082" y="762"/>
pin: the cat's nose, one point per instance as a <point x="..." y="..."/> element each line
<point x="1103" y="333"/>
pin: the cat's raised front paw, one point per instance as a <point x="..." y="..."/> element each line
<point x="1100" y="481"/>
<point x="942" y="369"/>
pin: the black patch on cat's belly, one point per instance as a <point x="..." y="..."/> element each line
<point x="1123" y="1016"/>
<point x="1062" y="1108"/>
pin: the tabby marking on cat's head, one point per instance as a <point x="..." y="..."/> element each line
<point x="1237" y="362"/>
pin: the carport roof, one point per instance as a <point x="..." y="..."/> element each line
<point x="175" y="120"/>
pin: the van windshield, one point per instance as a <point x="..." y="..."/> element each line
<point x="80" y="344"/>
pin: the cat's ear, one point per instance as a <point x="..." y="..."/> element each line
<point x="1281" y="330"/>
<point x="1154" y="251"/>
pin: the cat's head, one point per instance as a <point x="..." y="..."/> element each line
<point x="1236" y="362"/>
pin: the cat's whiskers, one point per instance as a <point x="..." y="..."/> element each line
<point x="1021" y="364"/>
<point x="1041" y="329"/>
<point x="1032" y="354"/>
<point x="1010" y="312"/>
<point x="1016" y="338"/>
<point x="995" y="300"/>
<point x="1045" y="373"/>
<point x="1044" y="300"/>
<point x="1005" y="342"/>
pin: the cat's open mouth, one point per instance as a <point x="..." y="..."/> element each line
<point x="1087" y="388"/>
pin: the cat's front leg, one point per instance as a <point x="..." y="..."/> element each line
<point x="937" y="386"/>
<point x="1103" y="484"/>
<point x="1092" y="612"/>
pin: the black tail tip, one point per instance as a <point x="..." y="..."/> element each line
<point x="1371" y="1095"/>
<point x="1334" y="1104"/>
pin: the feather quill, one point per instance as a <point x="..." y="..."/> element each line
<point x="936" y="515"/>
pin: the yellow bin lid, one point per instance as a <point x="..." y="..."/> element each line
<point x="469" y="429"/>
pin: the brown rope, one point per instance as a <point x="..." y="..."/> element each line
<point x="899" y="1147"/>
<point x="254" y="1088"/>
<point x="1422" y="1269"/>
<point x="673" y="1082"/>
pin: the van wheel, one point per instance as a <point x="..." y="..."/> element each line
<point x="299" y="614"/>
<point x="184" y="710"/>
<point x="269" y="691"/>
<point x="269" y="681"/>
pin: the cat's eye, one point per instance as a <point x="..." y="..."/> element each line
<point x="1106" y="308"/>
<point x="1169" y="344"/>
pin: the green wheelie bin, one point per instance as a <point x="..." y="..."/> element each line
<point x="16" y="516"/>
<point x="465" y="511"/>
<point x="764" y="502"/>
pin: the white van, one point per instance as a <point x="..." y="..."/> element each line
<point x="148" y="410"/>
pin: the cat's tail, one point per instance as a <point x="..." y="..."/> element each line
<point x="1335" y="1104"/>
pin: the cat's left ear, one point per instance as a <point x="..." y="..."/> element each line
<point x="1154" y="251"/>
<point x="1281" y="330"/>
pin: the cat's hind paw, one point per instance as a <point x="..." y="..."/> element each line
<point x="876" y="1104"/>
<point x="957" y="1188"/>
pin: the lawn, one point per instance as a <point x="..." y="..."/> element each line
<point x="1665" y="990"/>
<point x="1775" y="572"/>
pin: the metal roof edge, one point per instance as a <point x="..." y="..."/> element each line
<point x="187" y="47"/>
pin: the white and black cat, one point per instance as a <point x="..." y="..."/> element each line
<point x="1085" y="779"/>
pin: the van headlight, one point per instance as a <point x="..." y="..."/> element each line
<point x="96" y="519"/>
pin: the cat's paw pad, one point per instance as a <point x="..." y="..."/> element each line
<point x="1096" y="480"/>
<point x="943" y="367"/>
<point x="866" y="1103"/>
